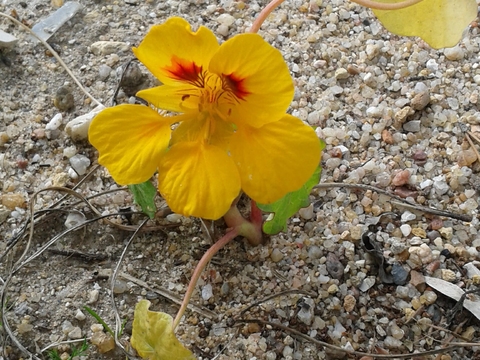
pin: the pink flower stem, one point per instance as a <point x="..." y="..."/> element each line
<point x="264" y="14"/>
<point x="238" y="225"/>
<point x="229" y="236"/>
<point x="251" y="230"/>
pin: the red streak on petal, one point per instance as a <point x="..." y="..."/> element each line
<point x="185" y="70"/>
<point x="236" y="85"/>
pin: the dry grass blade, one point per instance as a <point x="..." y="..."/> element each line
<point x="34" y="219"/>
<point x="118" y="321"/>
<point x="469" y="137"/>
<point x="273" y="296"/>
<point x="21" y="263"/>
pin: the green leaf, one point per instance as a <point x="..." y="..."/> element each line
<point x="289" y="204"/>
<point x="144" y="195"/>
<point x="440" y="23"/>
<point x="153" y="337"/>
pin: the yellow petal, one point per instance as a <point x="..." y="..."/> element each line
<point x="130" y="140"/>
<point x="178" y="98"/>
<point x="259" y="77"/>
<point x="198" y="179"/>
<point x="197" y="126"/>
<point x="173" y="52"/>
<point x="439" y="22"/>
<point x="275" y="159"/>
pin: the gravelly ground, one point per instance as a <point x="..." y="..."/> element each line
<point x="394" y="114"/>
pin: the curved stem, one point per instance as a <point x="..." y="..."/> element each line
<point x="384" y="6"/>
<point x="199" y="269"/>
<point x="264" y="14"/>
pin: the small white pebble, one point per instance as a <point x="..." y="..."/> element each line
<point x="207" y="292"/>
<point x="55" y="123"/>
<point x="276" y="255"/>
<point x="79" y="315"/>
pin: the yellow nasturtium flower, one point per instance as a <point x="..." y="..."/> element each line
<point x="233" y="134"/>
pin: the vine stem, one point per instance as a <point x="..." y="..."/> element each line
<point x="386" y="6"/>
<point x="229" y="236"/>
<point x="264" y="14"/>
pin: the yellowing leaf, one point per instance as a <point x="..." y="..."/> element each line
<point x="439" y="22"/>
<point x="153" y="337"/>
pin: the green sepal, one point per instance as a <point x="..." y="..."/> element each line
<point x="144" y="195"/>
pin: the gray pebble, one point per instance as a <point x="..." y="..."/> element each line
<point x="399" y="274"/>
<point x="109" y="47"/>
<point x="74" y="219"/>
<point x="455" y="53"/>
<point x="79" y="315"/>
<point x="412" y="126"/>
<point x="408" y="216"/>
<point x="120" y="287"/>
<point x="104" y="72"/>
<point x="276" y="255"/>
<point x="305" y="314"/>
<point x="334" y="267"/>
<point x="93" y="296"/>
<point x="421" y="100"/>
<point x="7" y="41"/>
<point x="341" y="74"/>
<point x="367" y="283"/>
<point x="80" y="163"/>
<point x="55" y="123"/>
<point x="4" y="213"/>
<point x="151" y="295"/>
<point x="225" y="289"/>
<point x="440" y="185"/>
<point x="306" y="213"/>
<point x="314" y="252"/>
<point x="392" y="343"/>
<point x="132" y="78"/>
<point x="77" y="129"/>
<point x="67" y="327"/>
<point x="76" y="333"/>
<point x="207" y="292"/>
<point x="63" y="100"/>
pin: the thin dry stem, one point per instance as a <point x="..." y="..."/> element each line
<point x="400" y="201"/>
<point x="473" y="146"/>
<point x="454" y="345"/>
<point x="118" y="321"/>
<point x="273" y="296"/>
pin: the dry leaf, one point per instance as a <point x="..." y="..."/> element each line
<point x="440" y="23"/>
<point x="153" y="337"/>
<point x="454" y="292"/>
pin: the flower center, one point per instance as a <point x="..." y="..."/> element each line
<point x="215" y="104"/>
<point x="212" y="94"/>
